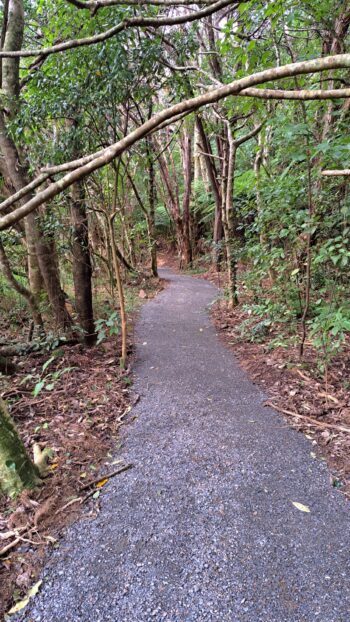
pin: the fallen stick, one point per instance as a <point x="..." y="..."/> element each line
<point x="106" y="476"/>
<point x="64" y="507"/>
<point x="9" y="546"/>
<point x="329" y="397"/>
<point x="312" y="421"/>
<point x="120" y="421"/>
<point x="14" y="532"/>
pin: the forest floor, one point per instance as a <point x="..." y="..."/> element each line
<point x="226" y="514"/>
<point x="78" y="417"/>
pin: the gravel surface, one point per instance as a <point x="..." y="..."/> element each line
<point x="203" y="528"/>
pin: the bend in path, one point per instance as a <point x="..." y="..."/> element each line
<point x="203" y="527"/>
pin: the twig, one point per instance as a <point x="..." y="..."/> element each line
<point x="14" y="532"/>
<point x="106" y="476"/>
<point x="329" y="397"/>
<point x="312" y="421"/>
<point x="64" y="507"/>
<point x="9" y="546"/>
<point x="126" y="412"/>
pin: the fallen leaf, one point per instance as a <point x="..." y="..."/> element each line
<point x="102" y="482"/>
<point x="301" y="506"/>
<point x="24" y="602"/>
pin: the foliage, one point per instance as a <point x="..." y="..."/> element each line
<point x="107" y="327"/>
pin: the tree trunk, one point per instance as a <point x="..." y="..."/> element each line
<point x="213" y="178"/>
<point x="17" y="471"/>
<point x="48" y="262"/>
<point x="230" y="223"/>
<point x="187" y="169"/>
<point x="118" y="276"/>
<point x="151" y="217"/>
<point x="82" y="270"/>
<point x="259" y="203"/>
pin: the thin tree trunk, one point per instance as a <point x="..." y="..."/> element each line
<point x="120" y="287"/>
<point x="230" y="224"/>
<point x="213" y="178"/>
<point x="82" y="270"/>
<point x="151" y="216"/>
<point x="187" y="169"/>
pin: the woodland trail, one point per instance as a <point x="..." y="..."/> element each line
<point x="203" y="528"/>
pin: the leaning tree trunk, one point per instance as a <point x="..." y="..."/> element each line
<point x="17" y="471"/>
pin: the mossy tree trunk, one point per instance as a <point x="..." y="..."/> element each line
<point x="17" y="471"/>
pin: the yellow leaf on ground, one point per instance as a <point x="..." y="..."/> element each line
<point x="102" y="482"/>
<point x="23" y="603"/>
<point x="301" y="507"/>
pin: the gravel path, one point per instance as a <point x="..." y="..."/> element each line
<point x="203" y="528"/>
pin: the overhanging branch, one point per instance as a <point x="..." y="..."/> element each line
<point x="303" y="94"/>
<point x="94" y="5"/>
<point x="132" y="22"/>
<point x="235" y="88"/>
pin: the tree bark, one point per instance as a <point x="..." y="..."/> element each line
<point x="187" y="170"/>
<point x="151" y="215"/>
<point x="82" y="269"/>
<point x="230" y="223"/>
<point x="120" y="287"/>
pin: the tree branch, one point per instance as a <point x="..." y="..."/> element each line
<point x="336" y="173"/>
<point x="234" y="88"/>
<point x="94" y="5"/>
<point x="302" y="94"/>
<point x="243" y="139"/>
<point x="155" y="22"/>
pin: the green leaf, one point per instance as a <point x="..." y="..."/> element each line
<point x="38" y="387"/>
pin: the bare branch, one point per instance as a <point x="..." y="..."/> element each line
<point x="24" y="191"/>
<point x="94" y="5"/>
<point x="243" y="139"/>
<point x="234" y="88"/>
<point x="336" y="173"/>
<point x="302" y="94"/>
<point x="132" y="22"/>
